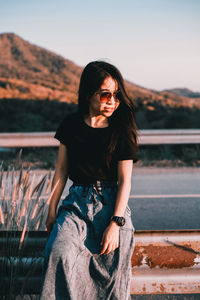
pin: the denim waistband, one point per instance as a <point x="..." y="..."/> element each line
<point x="99" y="183"/>
<point x="96" y="186"/>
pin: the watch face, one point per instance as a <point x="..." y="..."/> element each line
<point x="119" y="220"/>
<point x="122" y="221"/>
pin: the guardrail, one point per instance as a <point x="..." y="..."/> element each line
<point x="146" y="137"/>
<point x="166" y="262"/>
<point x="163" y="262"/>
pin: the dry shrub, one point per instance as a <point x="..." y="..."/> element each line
<point x="24" y="202"/>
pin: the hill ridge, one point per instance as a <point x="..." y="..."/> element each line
<point x="28" y="71"/>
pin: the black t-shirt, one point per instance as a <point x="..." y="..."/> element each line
<point x="86" y="147"/>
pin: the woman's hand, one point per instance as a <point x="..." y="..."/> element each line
<point x="110" y="238"/>
<point x="51" y="219"/>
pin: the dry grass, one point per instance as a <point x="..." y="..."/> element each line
<point x="24" y="199"/>
<point x="24" y="202"/>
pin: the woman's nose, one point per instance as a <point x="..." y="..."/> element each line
<point x="112" y="100"/>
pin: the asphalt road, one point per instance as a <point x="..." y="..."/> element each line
<point x="163" y="198"/>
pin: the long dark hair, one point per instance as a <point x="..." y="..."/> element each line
<point x="122" y="120"/>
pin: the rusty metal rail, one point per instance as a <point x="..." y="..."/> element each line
<point x="163" y="262"/>
<point x="146" y="137"/>
<point x="166" y="262"/>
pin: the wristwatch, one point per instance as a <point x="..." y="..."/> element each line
<point x="119" y="220"/>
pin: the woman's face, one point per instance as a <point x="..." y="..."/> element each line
<point x="104" y="102"/>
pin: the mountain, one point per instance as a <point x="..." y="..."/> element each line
<point x="30" y="72"/>
<point x="184" y="92"/>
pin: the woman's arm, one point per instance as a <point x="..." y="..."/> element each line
<point x="60" y="178"/>
<point x="124" y="186"/>
<point x="110" y="239"/>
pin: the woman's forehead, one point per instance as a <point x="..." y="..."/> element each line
<point x="109" y="84"/>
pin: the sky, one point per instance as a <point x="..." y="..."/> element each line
<point x="154" y="43"/>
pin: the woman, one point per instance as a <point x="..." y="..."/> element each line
<point x="88" y="254"/>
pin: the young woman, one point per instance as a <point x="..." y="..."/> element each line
<point x="88" y="253"/>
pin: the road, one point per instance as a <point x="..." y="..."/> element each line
<point x="162" y="198"/>
<point x="165" y="198"/>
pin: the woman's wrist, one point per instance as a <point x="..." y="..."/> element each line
<point x="114" y="224"/>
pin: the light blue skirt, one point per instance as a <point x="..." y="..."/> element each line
<point x="73" y="268"/>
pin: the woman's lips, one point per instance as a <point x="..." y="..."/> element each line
<point x="109" y="109"/>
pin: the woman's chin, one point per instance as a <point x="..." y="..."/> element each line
<point x="108" y="113"/>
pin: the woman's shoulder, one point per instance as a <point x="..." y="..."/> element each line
<point x="71" y="121"/>
<point x="71" y="118"/>
<point x="67" y="128"/>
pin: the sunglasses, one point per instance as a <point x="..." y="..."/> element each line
<point x="106" y="96"/>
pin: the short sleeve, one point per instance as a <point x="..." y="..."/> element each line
<point x="127" y="148"/>
<point x="63" y="132"/>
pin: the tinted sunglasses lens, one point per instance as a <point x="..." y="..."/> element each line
<point x="118" y="95"/>
<point x="105" y="96"/>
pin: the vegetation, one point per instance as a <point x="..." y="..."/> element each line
<point x="28" y="115"/>
<point x="45" y="115"/>
<point x="24" y="201"/>
<point x="169" y="155"/>
<point x="154" y="115"/>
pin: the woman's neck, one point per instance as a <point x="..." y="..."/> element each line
<point x="97" y="121"/>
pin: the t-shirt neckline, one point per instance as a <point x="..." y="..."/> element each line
<point x="93" y="128"/>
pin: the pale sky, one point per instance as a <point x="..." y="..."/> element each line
<point x="154" y="43"/>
